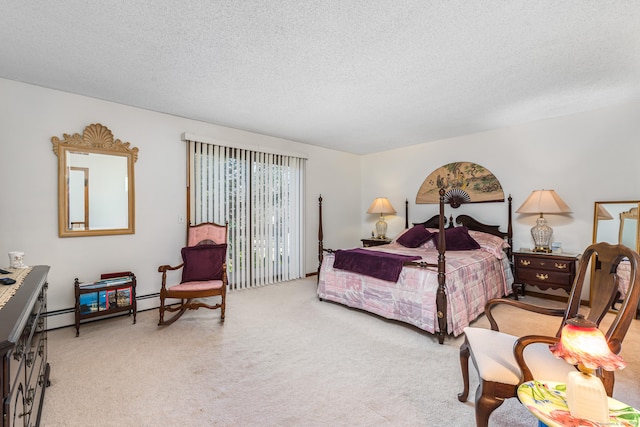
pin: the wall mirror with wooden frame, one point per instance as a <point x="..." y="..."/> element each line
<point x="95" y="183"/>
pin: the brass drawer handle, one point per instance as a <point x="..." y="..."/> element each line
<point x="561" y="266"/>
<point x="542" y="276"/>
<point x="525" y="262"/>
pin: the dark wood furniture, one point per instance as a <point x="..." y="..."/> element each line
<point x="113" y="293"/>
<point x="437" y="221"/>
<point x="543" y="270"/>
<point x="372" y="241"/>
<point x="25" y="370"/>
<point x="496" y="354"/>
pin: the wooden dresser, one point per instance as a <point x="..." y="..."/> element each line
<point x="23" y="346"/>
<point x="543" y="270"/>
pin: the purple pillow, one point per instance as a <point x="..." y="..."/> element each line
<point x="203" y="262"/>
<point x="415" y="236"/>
<point x="458" y="239"/>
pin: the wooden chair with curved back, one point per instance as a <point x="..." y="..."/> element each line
<point x="204" y="273"/>
<point x="505" y="361"/>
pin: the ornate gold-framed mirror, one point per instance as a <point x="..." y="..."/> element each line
<point x="95" y="183"/>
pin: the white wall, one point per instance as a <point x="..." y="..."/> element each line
<point x="586" y="157"/>
<point x="31" y="115"/>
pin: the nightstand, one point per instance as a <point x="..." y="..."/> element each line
<point x="544" y="270"/>
<point x="374" y="241"/>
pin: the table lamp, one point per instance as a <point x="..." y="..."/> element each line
<point x="583" y="344"/>
<point x="543" y="201"/>
<point x="382" y="206"/>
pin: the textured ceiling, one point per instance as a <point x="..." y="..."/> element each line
<point x="360" y="76"/>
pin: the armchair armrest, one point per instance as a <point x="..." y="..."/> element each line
<point x="518" y="352"/>
<point x="163" y="269"/>
<point x="558" y="312"/>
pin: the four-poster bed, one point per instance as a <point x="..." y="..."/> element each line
<point x="442" y="291"/>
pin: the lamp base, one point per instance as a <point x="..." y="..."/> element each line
<point x="541" y="234"/>
<point x="381" y="227"/>
<point x="586" y="397"/>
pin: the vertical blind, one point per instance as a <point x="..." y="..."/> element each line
<point x="260" y="195"/>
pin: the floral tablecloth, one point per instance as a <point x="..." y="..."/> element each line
<point x="546" y="400"/>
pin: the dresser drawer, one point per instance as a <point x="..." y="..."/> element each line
<point x="545" y="271"/>
<point x="546" y="276"/>
<point x="527" y="263"/>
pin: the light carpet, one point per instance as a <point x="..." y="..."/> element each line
<point x="281" y="358"/>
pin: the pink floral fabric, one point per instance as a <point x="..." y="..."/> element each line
<point x="197" y="286"/>
<point x="624" y="276"/>
<point x="472" y="278"/>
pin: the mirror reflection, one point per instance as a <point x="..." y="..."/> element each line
<point x="617" y="222"/>
<point x="629" y="228"/>
<point x="95" y="183"/>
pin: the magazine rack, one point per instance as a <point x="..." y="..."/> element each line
<point x="113" y="293"/>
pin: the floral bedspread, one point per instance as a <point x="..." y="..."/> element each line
<point x="472" y="278"/>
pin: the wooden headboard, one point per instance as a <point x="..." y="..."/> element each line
<point x="473" y="224"/>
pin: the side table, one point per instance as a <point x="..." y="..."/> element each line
<point x="544" y="270"/>
<point x="374" y="241"/>
<point x="546" y="401"/>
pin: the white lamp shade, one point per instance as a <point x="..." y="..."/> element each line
<point x="381" y="205"/>
<point x="544" y="201"/>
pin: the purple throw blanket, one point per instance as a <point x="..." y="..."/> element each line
<point x="382" y="265"/>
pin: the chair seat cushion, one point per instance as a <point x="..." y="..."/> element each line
<point x="196" y="286"/>
<point x="493" y="355"/>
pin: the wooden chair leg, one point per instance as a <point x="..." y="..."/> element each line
<point x="161" y="309"/>
<point x="223" y="305"/>
<point x="464" y="367"/>
<point x="173" y="318"/>
<point x="180" y="309"/>
<point x="608" y="380"/>
<point x="486" y="403"/>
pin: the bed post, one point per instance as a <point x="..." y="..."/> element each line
<point x="510" y="230"/>
<point x="320" y="236"/>
<point x="441" y="297"/>
<point x="406" y="214"/>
